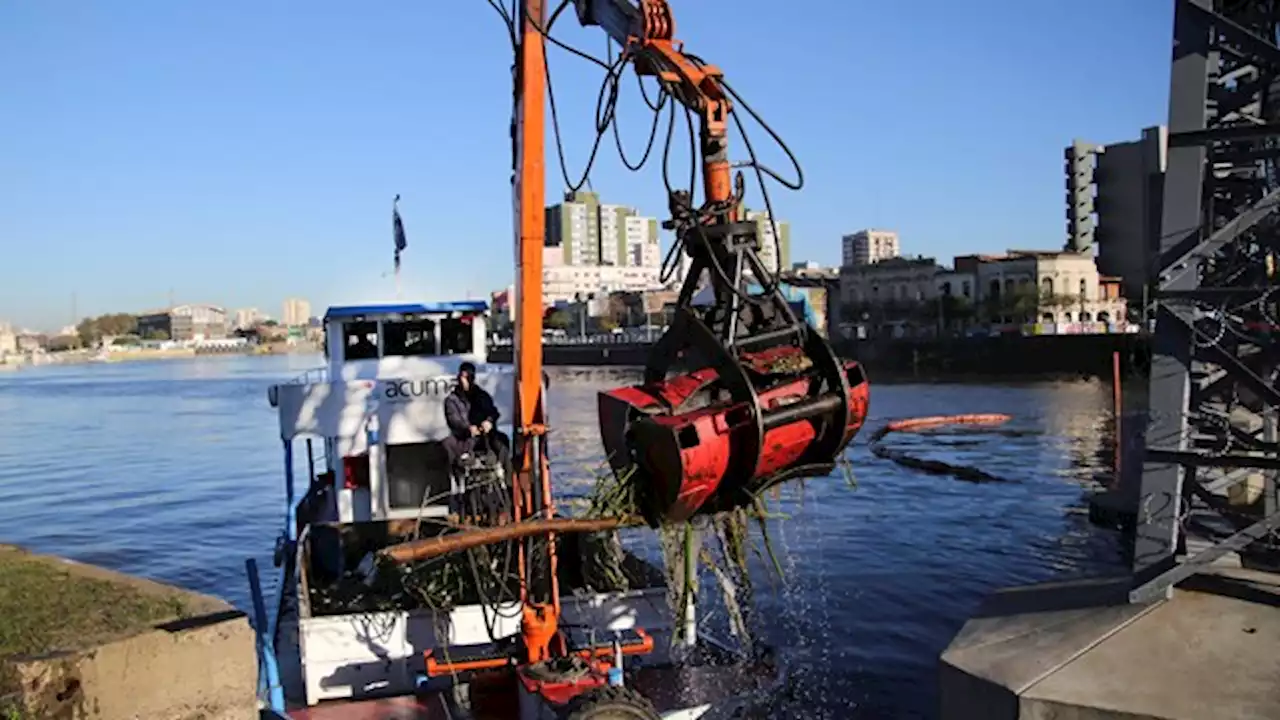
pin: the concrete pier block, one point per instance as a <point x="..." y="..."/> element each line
<point x="1074" y="650"/>
<point x="140" y="649"/>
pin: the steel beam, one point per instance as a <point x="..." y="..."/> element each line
<point x="1212" y="374"/>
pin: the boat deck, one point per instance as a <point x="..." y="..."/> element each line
<point x="681" y="691"/>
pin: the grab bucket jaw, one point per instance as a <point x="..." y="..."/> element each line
<point x="689" y="446"/>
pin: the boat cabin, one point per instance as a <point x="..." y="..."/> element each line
<point x="373" y="418"/>
<point x="360" y="337"/>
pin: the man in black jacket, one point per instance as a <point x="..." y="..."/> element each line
<point x="472" y="417"/>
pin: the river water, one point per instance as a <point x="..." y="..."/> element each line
<point x="173" y="470"/>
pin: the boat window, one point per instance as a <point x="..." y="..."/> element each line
<point x="410" y="337"/>
<point x="455" y="336"/>
<point x="360" y="340"/>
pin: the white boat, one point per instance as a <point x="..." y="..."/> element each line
<point x="371" y="423"/>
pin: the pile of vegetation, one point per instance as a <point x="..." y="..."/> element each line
<point x="716" y="546"/>
<point x="594" y="563"/>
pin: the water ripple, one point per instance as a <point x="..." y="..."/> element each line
<point x="172" y="470"/>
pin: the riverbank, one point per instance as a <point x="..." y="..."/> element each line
<point x="132" y="354"/>
<point x="68" y="632"/>
<point x="998" y="359"/>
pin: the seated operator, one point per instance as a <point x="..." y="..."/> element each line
<point x="472" y="416"/>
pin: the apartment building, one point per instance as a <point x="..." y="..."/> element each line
<point x="296" y="312"/>
<point x="246" y="318"/>
<point x="1051" y="287"/>
<point x="775" y="256"/>
<point x="8" y="340"/>
<point x="589" y="232"/>
<point x="184" y="322"/>
<point x="1063" y="286"/>
<point x="890" y="280"/>
<point x="866" y="247"/>
<point x="594" y="248"/>
<point x="566" y="283"/>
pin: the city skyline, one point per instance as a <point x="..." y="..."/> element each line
<point x="288" y="154"/>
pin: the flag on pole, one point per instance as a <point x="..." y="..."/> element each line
<point x="397" y="229"/>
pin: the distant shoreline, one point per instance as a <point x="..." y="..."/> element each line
<point x="86" y="357"/>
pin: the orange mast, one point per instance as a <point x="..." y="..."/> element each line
<point x="532" y="486"/>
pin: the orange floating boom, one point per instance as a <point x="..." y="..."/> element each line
<point x="932" y="421"/>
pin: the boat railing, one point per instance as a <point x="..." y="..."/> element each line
<point x="314" y="376"/>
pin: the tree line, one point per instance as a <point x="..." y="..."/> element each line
<point x="91" y="331"/>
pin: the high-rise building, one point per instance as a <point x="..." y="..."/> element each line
<point x="594" y="249"/>
<point x="866" y="247"/>
<point x="8" y="339"/>
<point x="774" y="255"/>
<point x="246" y="318"/>
<point x="1129" y="187"/>
<point x="1080" y="161"/>
<point x="296" y="313"/>
<point x="574" y="227"/>
<point x="590" y="233"/>
<point x="640" y="235"/>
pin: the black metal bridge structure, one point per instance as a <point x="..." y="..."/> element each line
<point x="1190" y="631"/>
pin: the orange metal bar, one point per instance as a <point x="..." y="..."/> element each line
<point x="530" y="200"/>
<point x="436" y="669"/>
<point x="644" y="647"/>
<point x="533" y="475"/>
<point x="530" y="230"/>
<point x="550" y="511"/>
<point x="1116" y="412"/>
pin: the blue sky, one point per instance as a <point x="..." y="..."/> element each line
<point x="241" y="152"/>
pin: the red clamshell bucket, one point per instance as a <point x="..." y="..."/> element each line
<point x="701" y="442"/>
<point x="739" y="394"/>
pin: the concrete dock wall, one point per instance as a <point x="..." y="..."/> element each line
<point x="200" y="664"/>
<point x="1012" y="356"/>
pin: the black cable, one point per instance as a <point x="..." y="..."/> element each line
<point x="604" y="116"/>
<point x="795" y="163"/>
<point x="764" y="192"/>
<point x="508" y="20"/>
<point x="668" y="268"/>
<point x="645" y="94"/>
<point x="759" y="168"/>
<point x="546" y="33"/>
<point x="653" y="128"/>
